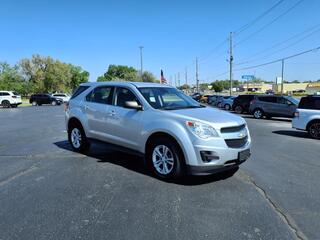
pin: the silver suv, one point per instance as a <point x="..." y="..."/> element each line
<point x="175" y="133"/>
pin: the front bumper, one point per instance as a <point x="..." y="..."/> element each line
<point x="211" y="169"/>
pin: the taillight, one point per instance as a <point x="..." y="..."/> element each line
<point x="296" y="114"/>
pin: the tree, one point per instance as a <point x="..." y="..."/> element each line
<point x="184" y="87"/>
<point x="120" y="72"/>
<point x="217" y="86"/>
<point x="148" y="77"/>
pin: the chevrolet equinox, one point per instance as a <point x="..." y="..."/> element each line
<point x="176" y="134"/>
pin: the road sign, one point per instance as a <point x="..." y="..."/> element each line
<point x="248" y="77"/>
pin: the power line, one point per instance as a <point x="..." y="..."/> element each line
<point x="278" y="60"/>
<point x="284" y="48"/>
<point x="246" y="26"/>
<point x="269" y="23"/>
<point x="279" y="44"/>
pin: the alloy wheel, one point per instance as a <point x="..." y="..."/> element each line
<point x="314" y="130"/>
<point x="257" y="114"/>
<point x="76" y="138"/>
<point x="162" y="159"/>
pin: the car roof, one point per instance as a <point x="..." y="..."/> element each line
<point x="124" y="84"/>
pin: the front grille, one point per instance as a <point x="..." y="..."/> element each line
<point x="232" y="129"/>
<point x="236" y="143"/>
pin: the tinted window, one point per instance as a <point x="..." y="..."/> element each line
<point x="5" y="94"/>
<point x="310" y="103"/>
<point x="268" y="99"/>
<point x="245" y="97"/>
<point x="123" y="95"/>
<point x="79" y="90"/>
<point x="100" y="95"/>
<point x="15" y="93"/>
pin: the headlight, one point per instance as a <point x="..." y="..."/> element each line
<point x="202" y="130"/>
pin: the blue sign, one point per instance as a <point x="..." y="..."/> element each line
<point x="248" y="77"/>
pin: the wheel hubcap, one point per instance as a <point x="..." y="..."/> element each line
<point x="257" y="114"/>
<point x="315" y="130"/>
<point x="76" y="137"/>
<point x="238" y="109"/>
<point x="162" y="159"/>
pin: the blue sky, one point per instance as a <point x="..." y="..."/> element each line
<point x="94" y="34"/>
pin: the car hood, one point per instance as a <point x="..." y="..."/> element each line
<point x="215" y="117"/>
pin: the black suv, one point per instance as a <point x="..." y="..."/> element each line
<point x="43" y="98"/>
<point x="242" y="103"/>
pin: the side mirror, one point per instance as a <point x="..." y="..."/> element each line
<point x="132" y="105"/>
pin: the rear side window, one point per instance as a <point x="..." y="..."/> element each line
<point x="15" y="93"/>
<point x="5" y="94"/>
<point x="79" y="90"/>
<point x="101" y="95"/>
<point x="268" y="99"/>
<point x="310" y="103"/>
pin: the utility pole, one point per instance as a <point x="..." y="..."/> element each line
<point x="175" y="80"/>
<point x="230" y="62"/>
<point x="197" y="75"/>
<point x="186" y="76"/>
<point x="282" y="80"/>
<point x="141" y="62"/>
<point x="178" y="79"/>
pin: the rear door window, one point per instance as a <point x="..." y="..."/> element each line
<point x="79" y="90"/>
<point x="268" y="99"/>
<point x="101" y="95"/>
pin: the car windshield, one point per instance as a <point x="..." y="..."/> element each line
<point x="293" y="100"/>
<point x="167" y="98"/>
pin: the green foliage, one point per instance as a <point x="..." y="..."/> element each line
<point x="184" y="87"/>
<point x="126" y="73"/>
<point x="41" y="74"/>
<point x="217" y="86"/>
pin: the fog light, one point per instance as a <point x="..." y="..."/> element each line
<point x="208" y="156"/>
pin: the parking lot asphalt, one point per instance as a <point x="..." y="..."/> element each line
<point x="49" y="192"/>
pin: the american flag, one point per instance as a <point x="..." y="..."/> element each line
<point x="162" y="78"/>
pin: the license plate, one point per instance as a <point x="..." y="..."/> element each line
<point x="244" y="155"/>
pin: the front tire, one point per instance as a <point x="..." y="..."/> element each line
<point x="227" y="107"/>
<point x="165" y="158"/>
<point x="258" y="113"/>
<point x="34" y="103"/>
<point x="77" y="138"/>
<point x="53" y="103"/>
<point x="314" y="130"/>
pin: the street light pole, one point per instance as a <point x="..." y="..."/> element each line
<point x="282" y="73"/>
<point x="230" y="62"/>
<point x="141" y="62"/>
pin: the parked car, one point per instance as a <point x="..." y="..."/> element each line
<point x="63" y="96"/>
<point x="43" y="98"/>
<point x="176" y="134"/>
<point x="227" y="103"/>
<point x="273" y="106"/>
<point x="196" y="96"/>
<point x="10" y="99"/>
<point x="241" y="103"/>
<point x="307" y="116"/>
<point x="212" y="99"/>
<point x="220" y="99"/>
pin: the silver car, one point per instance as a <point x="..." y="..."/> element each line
<point x="176" y="134"/>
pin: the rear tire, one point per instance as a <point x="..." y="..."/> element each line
<point x="77" y="138"/>
<point x="53" y="103"/>
<point x="5" y="104"/>
<point x="314" y="130"/>
<point x="258" y="113"/>
<point x="14" y="105"/>
<point x="238" y="109"/>
<point x="34" y="103"/>
<point x="227" y="107"/>
<point x="165" y="158"/>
